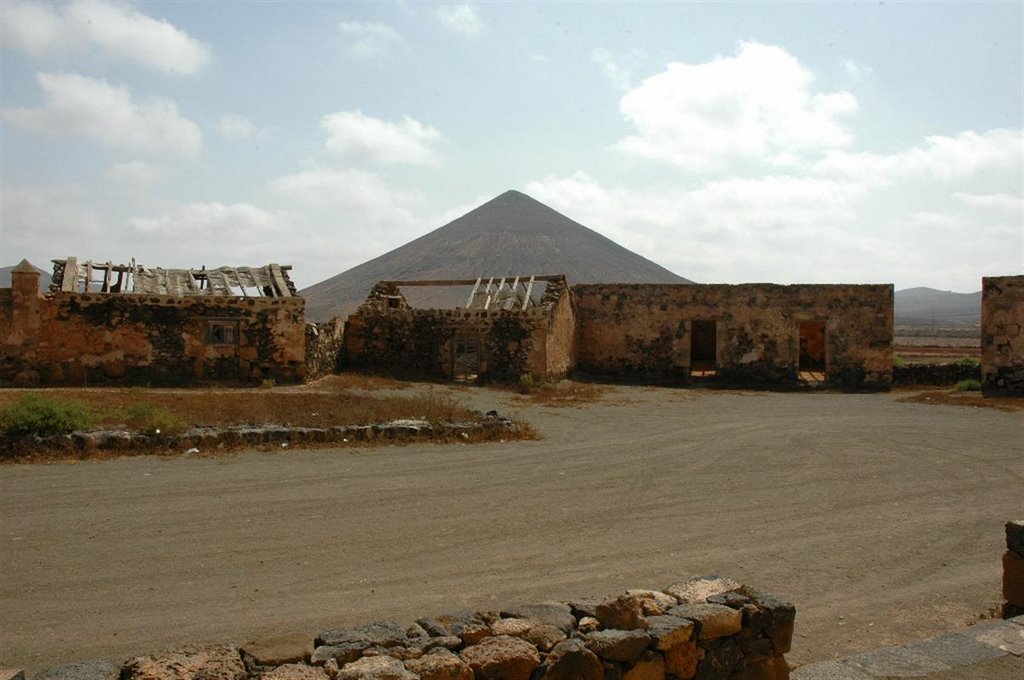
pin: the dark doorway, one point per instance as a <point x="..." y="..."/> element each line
<point x="812" y="350"/>
<point x="466" y="357"/>
<point x="703" y="348"/>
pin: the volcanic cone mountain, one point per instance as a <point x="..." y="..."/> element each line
<point x="512" y="234"/>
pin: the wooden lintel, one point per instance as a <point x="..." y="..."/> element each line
<point x="280" y="285"/>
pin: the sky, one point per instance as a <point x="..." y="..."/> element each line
<point x="867" y="142"/>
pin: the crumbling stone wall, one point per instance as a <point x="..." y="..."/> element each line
<point x="386" y="334"/>
<point x="708" y="628"/>
<point x="643" y="332"/>
<point x="1002" y="333"/>
<point x="91" y="338"/>
<point x="325" y="344"/>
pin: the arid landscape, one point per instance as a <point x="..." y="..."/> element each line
<point x="881" y="520"/>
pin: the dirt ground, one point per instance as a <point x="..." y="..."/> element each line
<point x="882" y="521"/>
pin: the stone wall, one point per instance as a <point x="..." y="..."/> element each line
<point x="325" y="344"/>
<point x="93" y="338"/>
<point x="935" y="374"/>
<point x="1002" y="333"/>
<point x="644" y="332"/>
<point x="1013" y="570"/>
<point x="707" y="628"/>
<point x="387" y="335"/>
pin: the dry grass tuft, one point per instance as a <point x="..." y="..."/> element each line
<point x="563" y="393"/>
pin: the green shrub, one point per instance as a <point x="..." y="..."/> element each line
<point x="968" y="361"/>
<point x="525" y="383"/>
<point x="36" y="415"/>
<point x="267" y="383"/>
<point x="154" y="420"/>
<point x="898" y="361"/>
<point x="969" y="385"/>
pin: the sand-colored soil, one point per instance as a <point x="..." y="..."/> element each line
<point x="881" y="520"/>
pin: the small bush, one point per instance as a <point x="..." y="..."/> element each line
<point x="969" y="385"/>
<point x="525" y="383"/>
<point x="153" y="420"/>
<point x="898" y="361"/>
<point x="43" y="417"/>
<point x="267" y="383"/>
<point x="968" y="361"/>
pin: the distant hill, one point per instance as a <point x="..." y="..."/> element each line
<point x="512" y="234"/>
<point x="931" y="307"/>
<point x="5" y="278"/>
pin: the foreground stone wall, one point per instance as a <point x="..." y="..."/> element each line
<point x="644" y="332"/>
<point x="707" y="628"/>
<point x="95" y="338"/>
<point x="387" y="335"/>
<point x="1013" y="570"/>
<point x="1002" y="333"/>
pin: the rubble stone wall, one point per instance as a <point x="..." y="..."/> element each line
<point x="325" y="344"/>
<point x="387" y="335"/>
<point x="643" y="332"/>
<point x="1013" y="570"/>
<point x="707" y="628"/>
<point x="94" y="338"/>
<point x="1002" y="333"/>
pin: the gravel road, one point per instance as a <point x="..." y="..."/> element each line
<point x="882" y="522"/>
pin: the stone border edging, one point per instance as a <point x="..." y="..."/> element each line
<point x="709" y="628"/>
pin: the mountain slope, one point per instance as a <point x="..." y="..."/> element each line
<point x="512" y="234"/>
<point x="5" y="278"/>
<point x="928" y="306"/>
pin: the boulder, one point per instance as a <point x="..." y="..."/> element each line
<point x="440" y="665"/>
<point x="625" y="612"/>
<point x="544" y="637"/>
<point x="712" y="620"/>
<point x="698" y="590"/>
<point x="623" y="646"/>
<point x="515" y="627"/>
<point x="376" y="668"/>
<point x="502" y="658"/>
<point x="651" y="666"/>
<point x="552" y="613"/>
<point x="277" y="650"/>
<point x="654" y="602"/>
<point x="202" y="662"/>
<point x="383" y="634"/>
<point x="295" y="671"/>
<point x="668" y="631"/>
<point x="571" y="660"/>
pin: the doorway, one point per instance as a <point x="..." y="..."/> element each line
<point x="466" y="357"/>
<point x="703" y="348"/>
<point x="812" y="351"/>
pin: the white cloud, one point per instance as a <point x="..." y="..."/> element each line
<point x="855" y="71"/>
<point x="939" y="157"/>
<point x="238" y="128"/>
<point x="353" y="190"/>
<point x="42" y="223"/>
<point x="1006" y="202"/>
<point x="617" y="70"/>
<point x="133" y="172"/>
<point x="79" y="105"/>
<point x="757" y="106"/>
<point x="369" y="39"/>
<point x="238" y="234"/>
<point x="114" y="29"/>
<point x="461" y="18"/>
<point x="356" y="136"/>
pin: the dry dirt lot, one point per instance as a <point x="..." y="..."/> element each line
<point x="882" y="521"/>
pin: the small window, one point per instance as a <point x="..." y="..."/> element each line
<point x="222" y="333"/>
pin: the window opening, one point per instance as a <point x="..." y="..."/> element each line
<point x="812" y="351"/>
<point x="703" y="348"/>
<point x="466" y="357"/>
<point x="222" y="333"/>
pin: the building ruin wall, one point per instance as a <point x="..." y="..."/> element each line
<point x="1002" y="333"/>
<point x="644" y="332"/>
<point x="94" y="338"/>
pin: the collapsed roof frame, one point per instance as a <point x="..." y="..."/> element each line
<point x="506" y="294"/>
<point x="269" y="281"/>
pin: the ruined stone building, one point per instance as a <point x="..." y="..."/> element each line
<point x="128" y="323"/>
<point x="740" y="334"/>
<point x="1002" y="333"/>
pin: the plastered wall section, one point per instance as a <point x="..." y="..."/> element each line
<point x="95" y="338"/>
<point x="644" y="332"/>
<point x="1002" y="333"/>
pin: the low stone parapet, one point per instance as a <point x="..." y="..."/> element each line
<point x="707" y="628"/>
<point x="1013" y="570"/>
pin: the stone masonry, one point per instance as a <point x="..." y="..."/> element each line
<point x="708" y="628"/>
<point x="92" y="338"/>
<point x="1013" y="570"/>
<point x="1002" y="333"/>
